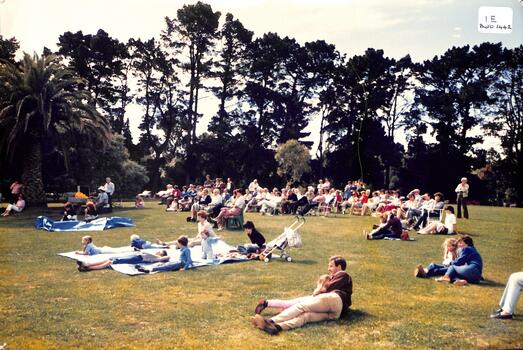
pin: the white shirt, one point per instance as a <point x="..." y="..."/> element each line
<point x="109" y="188"/>
<point x="206" y="226"/>
<point x="215" y="200"/>
<point x="464" y="189"/>
<point x="239" y="202"/>
<point x="450" y="221"/>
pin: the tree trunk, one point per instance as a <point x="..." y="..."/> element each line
<point x="32" y="175"/>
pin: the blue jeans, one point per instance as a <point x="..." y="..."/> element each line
<point x="128" y="260"/>
<point x="411" y="213"/>
<point x="248" y="248"/>
<point x="422" y="220"/>
<point x="149" y="245"/>
<point x="168" y="266"/>
<point x="436" y="270"/>
<point x="467" y="272"/>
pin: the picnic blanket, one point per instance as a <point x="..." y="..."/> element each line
<point x="219" y="248"/>
<point x="100" y="224"/>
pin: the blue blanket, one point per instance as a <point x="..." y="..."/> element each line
<point x="100" y="224"/>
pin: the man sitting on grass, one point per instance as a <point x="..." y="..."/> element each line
<point x="329" y="303"/>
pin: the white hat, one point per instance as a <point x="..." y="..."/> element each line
<point x="464" y="179"/>
<point x="101" y="188"/>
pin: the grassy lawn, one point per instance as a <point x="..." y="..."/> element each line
<point x="45" y="303"/>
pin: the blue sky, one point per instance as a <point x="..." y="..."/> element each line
<point x="421" y="28"/>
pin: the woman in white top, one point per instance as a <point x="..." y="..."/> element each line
<point x="449" y="228"/>
<point x="18" y="207"/>
<point x="462" y="191"/>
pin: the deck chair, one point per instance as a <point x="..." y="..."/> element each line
<point x="328" y="206"/>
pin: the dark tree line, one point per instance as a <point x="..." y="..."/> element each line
<point x="268" y="90"/>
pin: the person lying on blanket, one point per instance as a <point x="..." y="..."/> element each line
<point x="88" y="247"/>
<point x="138" y="243"/>
<point x="160" y="256"/>
<point x="184" y="263"/>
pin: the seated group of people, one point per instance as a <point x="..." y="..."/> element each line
<point x="461" y="264"/>
<point x="414" y="214"/>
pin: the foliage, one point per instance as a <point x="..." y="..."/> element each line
<point x="45" y="101"/>
<point x="270" y="88"/>
<point x="293" y="160"/>
<point x="8" y="48"/>
<point x="104" y="64"/>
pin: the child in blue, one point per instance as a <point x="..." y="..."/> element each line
<point x="184" y="263"/>
<point x="207" y="242"/>
<point x="88" y="248"/>
<point x="138" y="243"/>
<point x="468" y="266"/>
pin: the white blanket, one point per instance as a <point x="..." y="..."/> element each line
<point x="219" y="247"/>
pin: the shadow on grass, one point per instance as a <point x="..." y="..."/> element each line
<point x="491" y="283"/>
<point x="305" y="262"/>
<point x="354" y="316"/>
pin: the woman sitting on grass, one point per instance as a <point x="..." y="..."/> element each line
<point x="69" y="212"/>
<point x="90" y="212"/>
<point x="392" y="228"/>
<point x="450" y="248"/>
<point x="17" y="208"/>
<point x="160" y="256"/>
<point x="468" y="266"/>
<point x="449" y="228"/>
<point x="257" y="244"/>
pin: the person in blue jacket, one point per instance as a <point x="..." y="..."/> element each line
<point x="468" y="266"/>
<point x="184" y="263"/>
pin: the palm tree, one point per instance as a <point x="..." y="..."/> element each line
<point x="44" y="100"/>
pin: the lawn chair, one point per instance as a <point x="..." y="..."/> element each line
<point x="235" y="222"/>
<point x="435" y="215"/>
<point x="327" y="207"/>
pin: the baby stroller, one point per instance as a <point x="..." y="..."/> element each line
<point x="290" y="238"/>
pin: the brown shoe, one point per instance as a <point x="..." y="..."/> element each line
<point x="262" y="304"/>
<point x="271" y="327"/>
<point x="420" y="272"/>
<point x="258" y="321"/>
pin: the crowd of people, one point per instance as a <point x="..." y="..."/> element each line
<point x="213" y="202"/>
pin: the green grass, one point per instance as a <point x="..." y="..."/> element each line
<point x="46" y="304"/>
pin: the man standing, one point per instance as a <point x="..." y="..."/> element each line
<point x="462" y="191"/>
<point x="329" y="302"/>
<point x="109" y="189"/>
